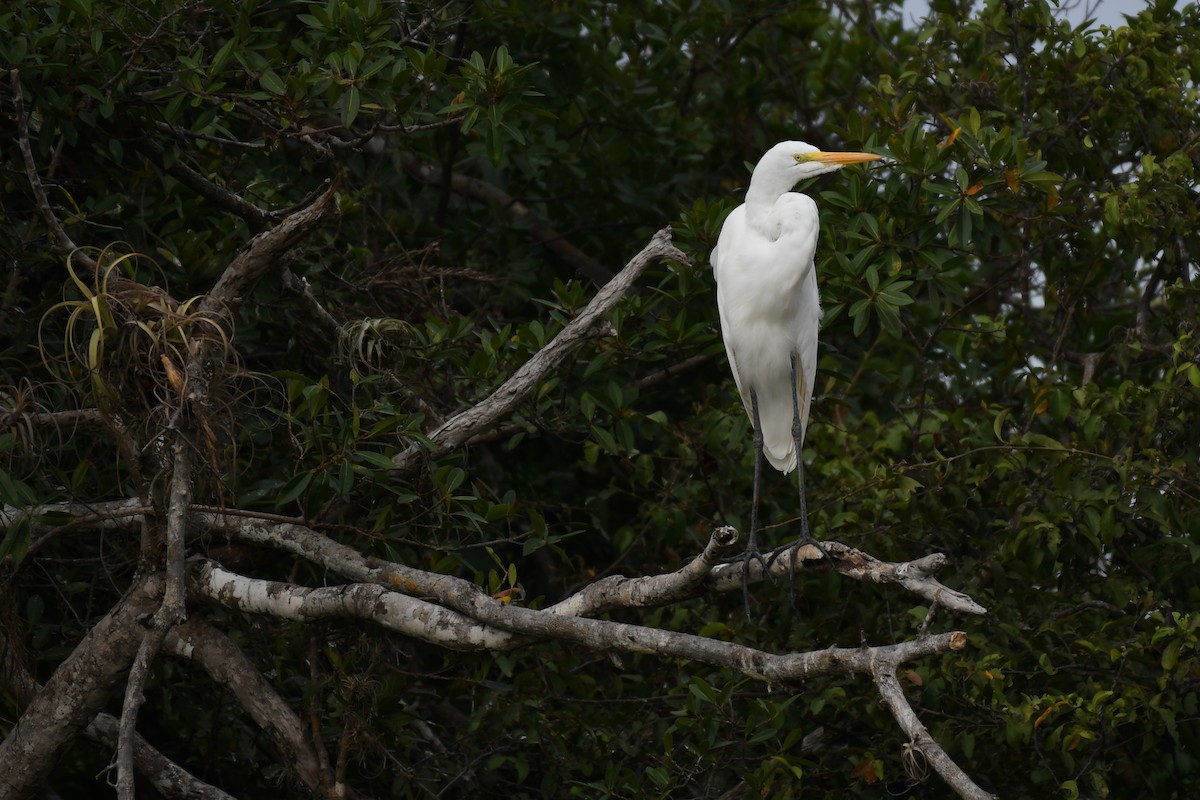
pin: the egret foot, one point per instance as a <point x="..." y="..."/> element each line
<point x="791" y="552"/>
<point x="748" y="557"/>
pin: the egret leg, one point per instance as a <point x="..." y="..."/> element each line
<point x="798" y="437"/>
<point x="752" y="553"/>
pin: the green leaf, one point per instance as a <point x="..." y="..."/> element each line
<point x="272" y="83"/>
<point x="373" y="459"/>
<point x="353" y="103"/>
<point x="222" y="57"/>
<point x="293" y="488"/>
<point x="1170" y="655"/>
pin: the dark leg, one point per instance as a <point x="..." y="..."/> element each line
<point x="798" y="437"/>
<point x="752" y="553"/>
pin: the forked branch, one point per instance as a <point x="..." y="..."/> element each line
<point x="458" y="615"/>
<point x="476" y="610"/>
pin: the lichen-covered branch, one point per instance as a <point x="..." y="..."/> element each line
<point x="916" y="576"/>
<point x="478" y="611"/>
<point x="410" y="616"/>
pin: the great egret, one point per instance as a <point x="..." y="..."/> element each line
<point x="770" y="309"/>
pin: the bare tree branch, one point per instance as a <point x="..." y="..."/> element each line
<point x="264" y="252"/>
<point x="617" y="591"/>
<point x="61" y="238"/>
<point x="915" y="576"/>
<point x="558" y="622"/>
<point x="173" y="611"/>
<point x="115" y="515"/>
<point x="884" y="674"/>
<point x="168" y="778"/>
<point x="707" y="572"/>
<point x="228" y="667"/>
<point x="15" y="677"/>
<point x="256" y="218"/>
<point x="1142" y="326"/>
<point x="377" y="604"/>
<point x="75" y="692"/>
<point x="672" y="370"/>
<point x="457" y="614"/>
<point x="314" y="311"/>
<point x="411" y="616"/>
<point x="170" y="613"/>
<point x="463" y="426"/>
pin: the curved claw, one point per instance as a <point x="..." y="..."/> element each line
<point x="749" y="556"/>
<point x="791" y="551"/>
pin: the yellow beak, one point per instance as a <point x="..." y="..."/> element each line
<point x="843" y="158"/>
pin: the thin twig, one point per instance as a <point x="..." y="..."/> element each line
<point x="61" y="238"/>
<point x="673" y="370"/>
<point x="170" y="613"/>
<point x="315" y="312"/>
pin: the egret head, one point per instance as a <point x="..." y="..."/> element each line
<point x="788" y="163"/>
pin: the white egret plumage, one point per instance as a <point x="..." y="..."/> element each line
<point x="770" y="309"/>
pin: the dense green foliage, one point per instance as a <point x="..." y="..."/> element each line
<point x="1009" y="372"/>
